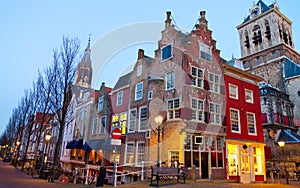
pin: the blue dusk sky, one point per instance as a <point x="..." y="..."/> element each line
<point x="30" y="30"/>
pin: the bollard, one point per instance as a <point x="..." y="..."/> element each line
<point x="142" y="176"/>
<point x="194" y="176"/>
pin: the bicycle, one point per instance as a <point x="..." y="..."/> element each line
<point x="92" y="179"/>
<point x="56" y="173"/>
<point x="35" y="173"/>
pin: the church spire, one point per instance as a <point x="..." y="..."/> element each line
<point x="84" y="70"/>
<point x="88" y="48"/>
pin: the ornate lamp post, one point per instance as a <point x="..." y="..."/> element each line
<point x="158" y="120"/>
<point x="282" y="144"/>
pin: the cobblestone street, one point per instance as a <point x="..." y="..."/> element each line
<point x="11" y="177"/>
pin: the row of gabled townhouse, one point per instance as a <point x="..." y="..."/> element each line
<point x="33" y="148"/>
<point x="211" y="111"/>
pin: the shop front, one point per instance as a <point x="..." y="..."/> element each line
<point x="205" y="154"/>
<point x="245" y="161"/>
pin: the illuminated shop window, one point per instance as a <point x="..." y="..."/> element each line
<point x="245" y="164"/>
<point x="257" y="152"/>
<point x="232" y="160"/>
<point x="123" y="122"/>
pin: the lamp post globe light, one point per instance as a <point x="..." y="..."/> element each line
<point x="158" y="120"/>
<point x="281" y="144"/>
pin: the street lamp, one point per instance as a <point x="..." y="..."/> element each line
<point x="47" y="139"/>
<point x="15" y="161"/>
<point x="281" y="143"/>
<point x="158" y="120"/>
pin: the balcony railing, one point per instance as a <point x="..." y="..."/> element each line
<point x="273" y="92"/>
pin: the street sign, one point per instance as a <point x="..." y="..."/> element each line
<point x="115" y="142"/>
<point x="116" y="133"/>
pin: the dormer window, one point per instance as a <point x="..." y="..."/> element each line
<point x="255" y="11"/>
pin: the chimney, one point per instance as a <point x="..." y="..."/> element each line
<point x="168" y="20"/>
<point x="141" y="54"/>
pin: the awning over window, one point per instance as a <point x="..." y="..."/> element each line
<point x="86" y="147"/>
<point x="107" y="146"/>
<point x="99" y="144"/>
<point x="95" y="144"/>
<point x="70" y="144"/>
<point x="77" y="144"/>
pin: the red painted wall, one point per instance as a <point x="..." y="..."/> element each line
<point x="243" y="107"/>
<point x="124" y="107"/>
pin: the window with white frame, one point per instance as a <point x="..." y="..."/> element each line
<point x="173" y="109"/>
<point x="170" y="80"/>
<point x="197" y="110"/>
<point x="248" y="95"/>
<point x="123" y="122"/>
<point x="214" y="82"/>
<point x="197" y="77"/>
<point x="100" y="104"/>
<point x="235" y="120"/>
<point x="129" y="153"/>
<point x="139" y="70"/>
<point x="132" y="120"/>
<point x="251" y="123"/>
<point x="119" y="98"/>
<point x="102" y="125"/>
<point x="233" y="91"/>
<point x="140" y="152"/>
<point x="95" y="124"/>
<point x="205" y="51"/>
<point x="143" y="118"/>
<point x="215" y="113"/>
<point x="166" y="52"/>
<point x="139" y="91"/>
